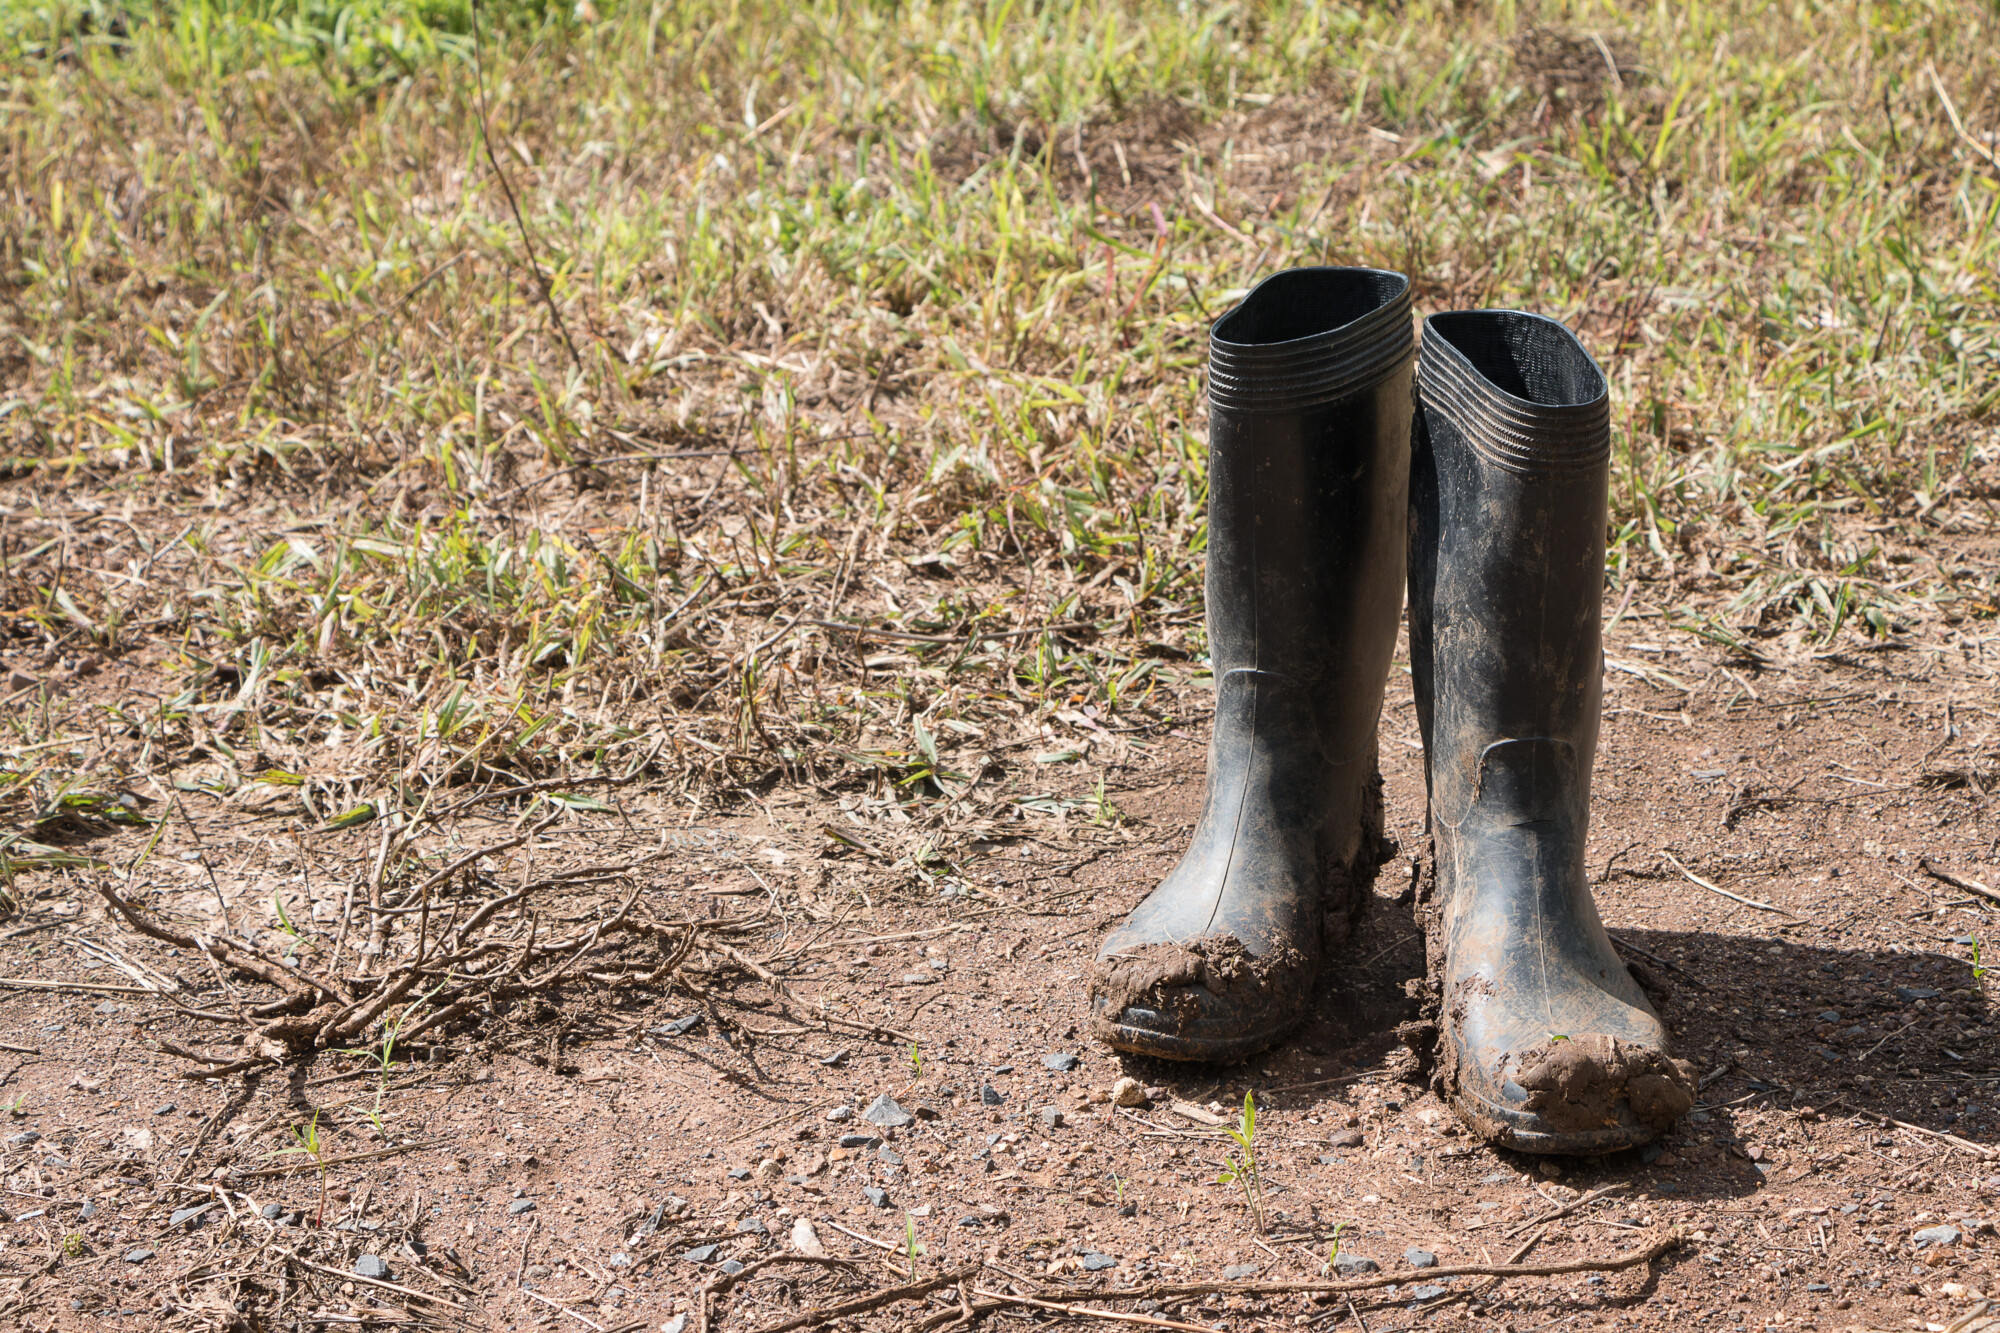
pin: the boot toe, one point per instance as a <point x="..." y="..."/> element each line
<point x="1585" y="1094"/>
<point x="1209" y="1000"/>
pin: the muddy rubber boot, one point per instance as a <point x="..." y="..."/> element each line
<point x="1310" y="417"/>
<point x="1546" y="1043"/>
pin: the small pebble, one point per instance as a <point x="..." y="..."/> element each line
<point x="1430" y="1291"/>
<point x="990" y="1095"/>
<point x="538" y="1272"/>
<point x="1347" y="1138"/>
<point x="1355" y="1264"/>
<point x="181" y="1215"/>
<point x="1128" y="1092"/>
<point x="273" y="1211"/>
<point x="876" y="1198"/>
<point x="1417" y="1258"/>
<point x="1239" y="1272"/>
<point x="840" y="1113"/>
<point x="1052" y="1116"/>
<point x="739" y="1173"/>
<point x="1094" y="1262"/>
<point x="678" y="1324"/>
<point x="370" y="1265"/>
<point x="883" y="1111"/>
<point x="752" y="1226"/>
<point x="166" y="1108"/>
<point x="888" y="1155"/>
<point x="1938" y="1235"/>
<point x="1060" y="1063"/>
<point x="731" y="1267"/>
<point x="519" y="1206"/>
<point x="701" y="1254"/>
<point x="858" y="1140"/>
<point x="137" y="1256"/>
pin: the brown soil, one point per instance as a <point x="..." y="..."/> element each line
<point x="646" y="1126"/>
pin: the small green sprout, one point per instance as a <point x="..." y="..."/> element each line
<point x="1333" y="1255"/>
<point x="916" y="1060"/>
<point x="1242" y="1169"/>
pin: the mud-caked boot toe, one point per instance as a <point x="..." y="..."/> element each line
<point x="1310" y="412"/>
<point x="1546" y="1043"/>
<point x="1219" y="961"/>
<point x="1549" y="1043"/>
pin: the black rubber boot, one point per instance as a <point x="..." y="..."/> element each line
<point x="1546" y="1043"/>
<point x="1310" y="413"/>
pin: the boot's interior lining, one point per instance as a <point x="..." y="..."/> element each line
<point x="1307" y="301"/>
<point x="1525" y="355"/>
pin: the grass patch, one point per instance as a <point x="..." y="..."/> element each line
<point x="872" y="438"/>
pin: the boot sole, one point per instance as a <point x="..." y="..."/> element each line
<point x="1128" y="1039"/>
<point x="1509" y="1129"/>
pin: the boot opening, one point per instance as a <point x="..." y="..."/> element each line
<point x="1304" y="302"/>
<point x="1524" y="355"/>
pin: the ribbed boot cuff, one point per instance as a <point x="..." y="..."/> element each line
<point x="1520" y="387"/>
<point x="1309" y="336"/>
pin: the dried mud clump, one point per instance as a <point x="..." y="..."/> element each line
<point x="1576" y="1084"/>
<point x="1163" y="977"/>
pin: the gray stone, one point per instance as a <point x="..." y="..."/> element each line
<point x="732" y="1266"/>
<point x="678" y="1324"/>
<point x="1417" y="1258"/>
<point x="1353" y="1265"/>
<point x="883" y="1111"/>
<point x="1917" y="993"/>
<point x="182" y="1215"/>
<point x="1060" y="1063"/>
<point x="839" y="1057"/>
<point x="701" y="1254"/>
<point x="1430" y="1291"/>
<point x="1239" y="1272"/>
<point x="166" y="1108"/>
<point x="538" y="1272"/>
<point x="739" y="1173"/>
<point x="888" y="1155"/>
<point x="680" y="1027"/>
<point x="619" y="1260"/>
<point x="1329" y="1159"/>
<point x="274" y="1211"/>
<point x="752" y="1226"/>
<point x="991" y="1096"/>
<point x="23" y="1139"/>
<point x="1003" y="1069"/>
<point x="519" y="1206"/>
<point x="1052" y="1116"/>
<point x="875" y="1197"/>
<point x="858" y="1140"/>
<point x="371" y="1265"/>
<point x="1830" y="1016"/>
<point x="137" y="1255"/>
<point x="1093" y="1262"/>
<point x="1938" y="1235"/>
<point x="840" y="1113"/>
<point x="1346" y="1138"/>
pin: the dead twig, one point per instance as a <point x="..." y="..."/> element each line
<point x="1737" y="897"/>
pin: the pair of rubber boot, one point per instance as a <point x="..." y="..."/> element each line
<point x="1343" y="463"/>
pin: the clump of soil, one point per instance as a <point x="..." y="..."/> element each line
<point x="1577" y="1083"/>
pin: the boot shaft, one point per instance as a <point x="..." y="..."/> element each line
<point x="1508" y="509"/>
<point x="1310" y="412"/>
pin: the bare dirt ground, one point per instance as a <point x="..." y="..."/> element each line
<point x="1794" y="848"/>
